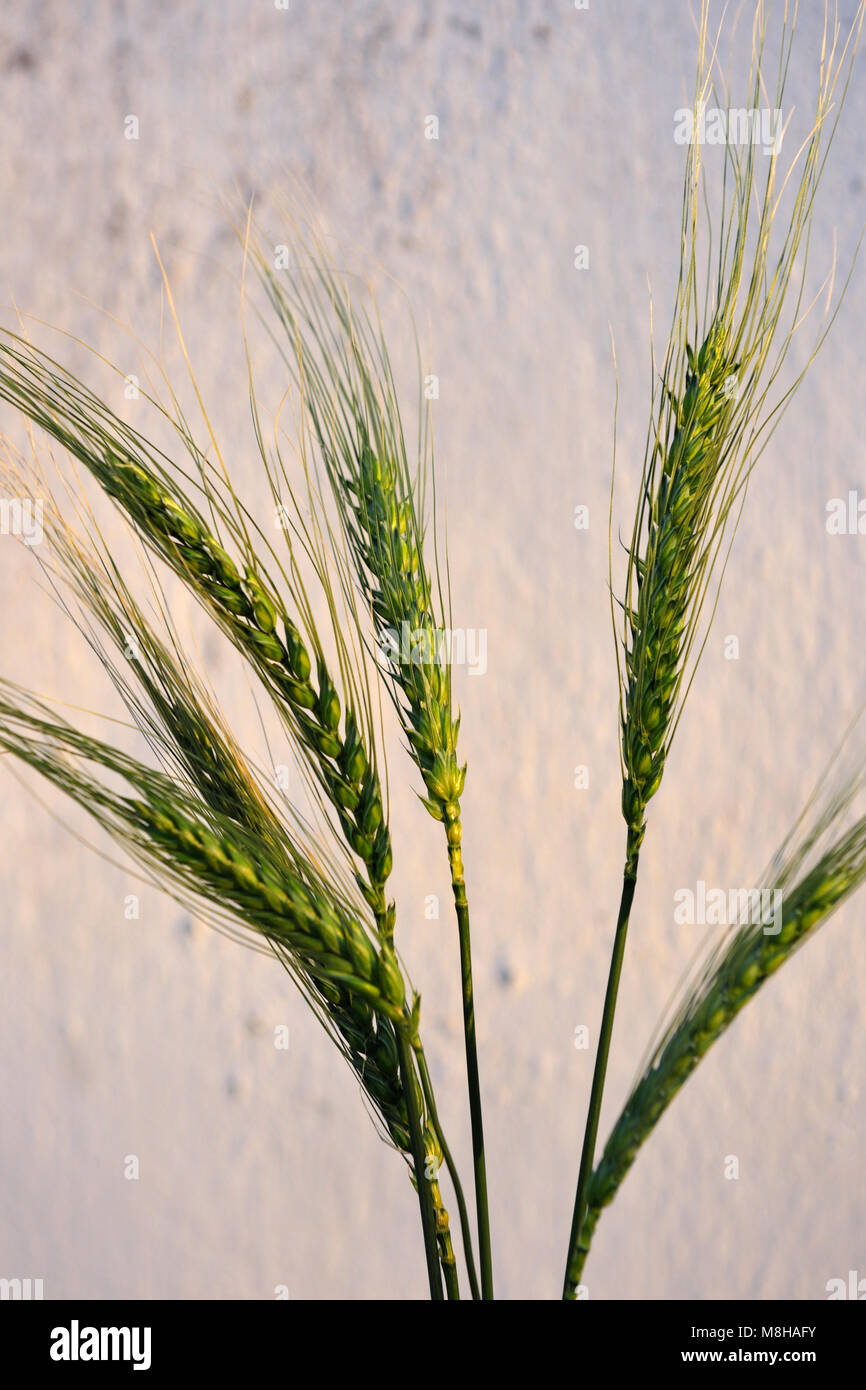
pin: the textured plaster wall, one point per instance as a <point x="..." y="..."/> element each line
<point x="155" y="1037"/>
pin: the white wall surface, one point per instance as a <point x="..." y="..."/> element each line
<point x="154" y="1037"/>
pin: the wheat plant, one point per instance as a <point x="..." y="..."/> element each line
<point x="320" y="623"/>
<point x="814" y="873"/>
<point x="717" y="399"/>
<point x="339" y="359"/>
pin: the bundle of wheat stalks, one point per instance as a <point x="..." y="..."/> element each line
<point x="362" y="560"/>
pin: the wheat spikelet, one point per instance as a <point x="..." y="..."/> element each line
<point x="206" y="824"/>
<point x="246" y="606"/>
<point x="280" y="899"/>
<point x="677" y="517"/>
<point x="330" y="716"/>
<point x="354" y="983"/>
<point x="717" y="398"/>
<point x="191" y="741"/>
<point x="715" y="406"/>
<point x="340" y="362"/>
<point x="814" y="875"/>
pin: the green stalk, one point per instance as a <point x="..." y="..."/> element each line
<point x="425" y="1200"/>
<point x="444" y="1247"/>
<point x="815" y="876"/>
<point x="339" y="360"/>
<point x="458" y="885"/>
<point x="591" y="1132"/>
<point x="465" y="1230"/>
<point x="449" y="1271"/>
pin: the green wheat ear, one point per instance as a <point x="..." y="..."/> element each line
<point x="245" y="882"/>
<point x="816" y="871"/>
<point x="203" y="826"/>
<point x="240" y="595"/>
<point x="338" y="357"/>
<point x="206" y="827"/>
<point x="717" y="399"/>
<point x="678" y="517"/>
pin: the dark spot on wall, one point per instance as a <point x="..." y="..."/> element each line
<point x="469" y="27"/>
<point x="375" y="40"/>
<point x="22" y="60"/>
<point x="115" y="222"/>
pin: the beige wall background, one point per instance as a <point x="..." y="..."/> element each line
<point x="154" y="1037"/>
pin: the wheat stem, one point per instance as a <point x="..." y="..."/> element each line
<point x="591" y="1131"/>
<point x="710" y="422"/>
<point x="461" y="907"/>
<point x="340" y="361"/>
<point x="465" y="1228"/>
<point x="419" y="1160"/>
<point x="731" y="977"/>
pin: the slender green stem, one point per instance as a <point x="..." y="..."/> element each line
<point x="449" y="1271"/>
<point x="425" y="1199"/>
<point x="465" y="1229"/>
<point x="575" y="1259"/>
<point x="444" y="1246"/>
<point x="458" y="884"/>
<point x="587" y="1231"/>
<point x="445" y="1249"/>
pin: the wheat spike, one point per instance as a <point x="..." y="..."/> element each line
<point x="815" y="874"/>
<point x="716" y="403"/>
<point x="245" y="605"/>
<point x="340" y="362"/>
<point x="717" y="397"/>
